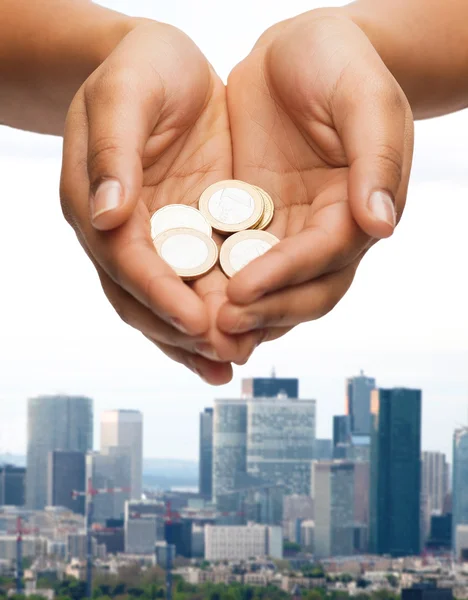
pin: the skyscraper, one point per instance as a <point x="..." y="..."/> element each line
<point x="54" y="423"/>
<point x="229" y="444"/>
<point x="323" y="449"/>
<point x="12" y="485"/>
<point x="266" y="439"/>
<point x="205" y="478"/>
<point x="460" y="480"/>
<point x="334" y="505"/>
<point x="281" y="441"/>
<point x="123" y="429"/>
<point x="358" y="394"/>
<point x="396" y="472"/>
<point x="110" y="470"/>
<point x="341" y="430"/>
<point x="66" y="473"/>
<point x="434" y="479"/>
<point x="270" y="387"/>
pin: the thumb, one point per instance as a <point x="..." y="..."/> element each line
<point x="376" y="129"/>
<point x="118" y="128"/>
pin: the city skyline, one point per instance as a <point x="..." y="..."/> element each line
<point x="326" y="410"/>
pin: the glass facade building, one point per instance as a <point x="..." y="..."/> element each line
<point x="205" y="477"/>
<point x="460" y="480"/>
<point x="358" y="397"/>
<point x="395" y="497"/>
<point x="54" y="423"/>
<point x="66" y="473"/>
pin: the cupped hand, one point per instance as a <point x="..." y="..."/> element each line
<point x="319" y="122"/>
<point x="148" y="128"/>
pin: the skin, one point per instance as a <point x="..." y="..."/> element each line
<point x="317" y="115"/>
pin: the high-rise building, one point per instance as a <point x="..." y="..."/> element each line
<point x="434" y="480"/>
<point x="109" y="471"/>
<point x="205" y="478"/>
<point x="123" y="429"/>
<point x="66" y="474"/>
<point x="280" y="441"/>
<point x="323" y="449"/>
<point x="12" y="485"/>
<point x="358" y="395"/>
<point x="179" y="533"/>
<point x="395" y="472"/>
<point x="54" y="423"/>
<point x="270" y="387"/>
<point x="334" y="504"/>
<point x="229" y="444"/>
<point x="460" y="480"/>
<point x="341" y="430"/>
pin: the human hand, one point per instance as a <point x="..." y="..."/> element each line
<point x="318" y="121"/>
<point x="150" y="127"/>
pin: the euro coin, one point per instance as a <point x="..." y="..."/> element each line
<point x="242" y="248"/>
<point x="231" y="206"/>
<point x="268" y="210"/>
<point x="175" y="216"/>
<point x="189" y="252"/>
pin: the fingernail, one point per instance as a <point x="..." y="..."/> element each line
<point x="382" y="207"/>
<point x="107" y="198"/>
<point x="246" y="323"/>
<point x="178" y="325"/>
<point x="207" y="351"/>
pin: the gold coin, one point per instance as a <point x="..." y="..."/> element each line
<point x="243" y="247"/>
<point x="231" y="206"/>
<point x="174" y="216"/>
<point x="189" y="252"/>
<point x="268" y="210"/>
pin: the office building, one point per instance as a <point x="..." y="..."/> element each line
<point x="77" y="546"/>
<point x="164" y="554"/>
<point x="460" y="479"/>
<point x="280" y="441"/>
<point x="243" y="542"/>
<point x="54" y="423"/>
<point x="66" y="473"/>
<point x="144" y="525"/>
<point x="395" y="472"/>
<point x="358" y="395"/>
<point x="434" y="480"/>
<point x="427" y="591"/>
<point x="123" y="429"/>
<point x="323" y="449"/>
<point x="205" y="478"/>
<point x="270" y="387"/>
<point x="179" y="533"/>
<point x="229" y="444"/>
<point x="12" y="485"/>
<point x="33" y="546"/>
<point x="298" y="507"/>
<point x="334" y="505"/>
<point x="341" y="430"/>
<point x="109" y="471"/>
<point x="441" y="532"/>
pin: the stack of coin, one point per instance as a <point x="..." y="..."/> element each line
<point x="182" y="234"/>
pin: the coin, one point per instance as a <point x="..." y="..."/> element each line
<point x="243" y="247"/>
<point x="268" y="209"/>
<point x="189" y="252"/>
<point x="231" y="206"/>
<point x="175" y="216"/>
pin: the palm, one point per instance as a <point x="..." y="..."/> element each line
<point x="299" y="160"/>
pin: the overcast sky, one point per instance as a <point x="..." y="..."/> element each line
<point x="404" y="320"/>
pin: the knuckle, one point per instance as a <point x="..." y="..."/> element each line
<point x="390" y="161"/>
<point x="100" y="153"/>
<point x="109" y="85"/>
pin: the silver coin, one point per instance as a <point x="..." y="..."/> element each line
<point x="242" y="248"/>
<point x="175" y="216"/>
<point x="189" y="252"/>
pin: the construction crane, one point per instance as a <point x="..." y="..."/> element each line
<point x="89" y="494"/>
<point x="19" y="532"/>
